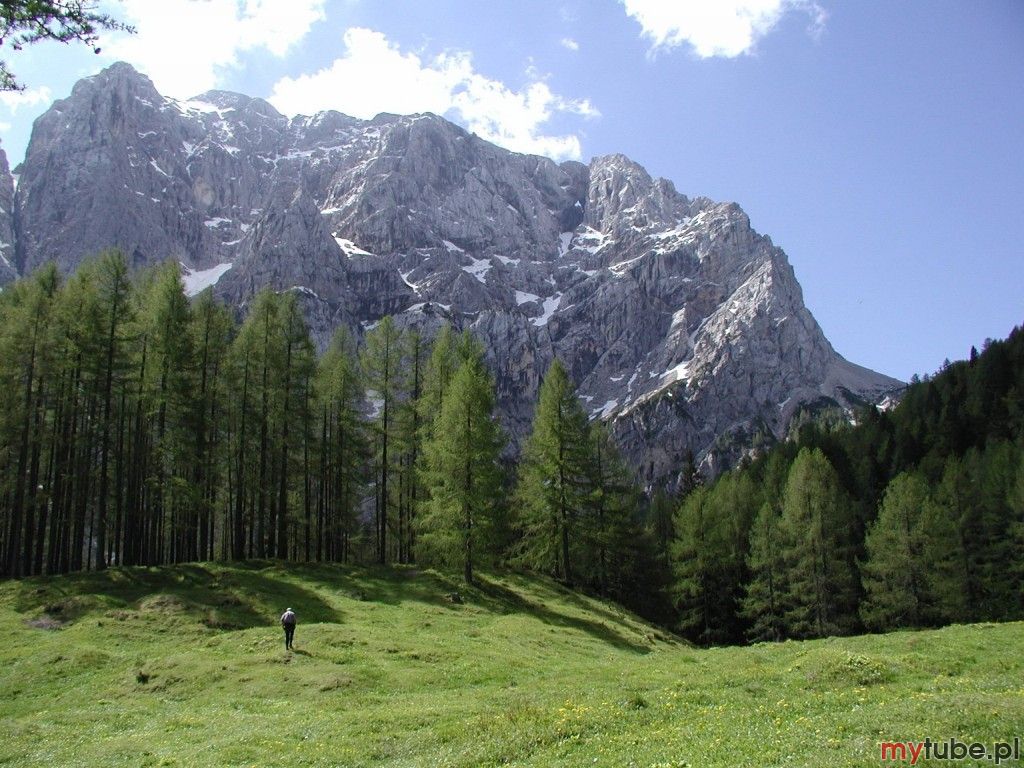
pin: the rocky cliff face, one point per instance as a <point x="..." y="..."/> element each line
<point x="8" y="271"/>
<point x="683" y="327"/>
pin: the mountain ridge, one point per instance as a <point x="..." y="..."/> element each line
<point x="682" y="326"/>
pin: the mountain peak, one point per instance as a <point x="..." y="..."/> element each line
<point x="682" y="326"/>
<point x="118" y="76"/>
<point x="238" y="101"/>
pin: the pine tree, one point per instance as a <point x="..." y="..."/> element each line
<point x="942" y="552"/>
<point x="957" y="509"/>
<point x="694" y="554"/>
<point x="894" y="574"/>
<point x="552" y="483"/>
<point x="709" y="557"/>
<point x="463" y="473"/>
<point x="764" y="605"/>
<point x="25" y="351"/>
<point x="383" y="368"/>
<point x="608" y="529"/>
<point x="290" y="413"/>
<point x="114" y="294"/>
<point x="212" y="328"/>
<point x="822" y="588"/>
<point x="172" y="407"/>
<point x="344" y="448"/>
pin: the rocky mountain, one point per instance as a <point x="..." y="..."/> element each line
<point x="8" y="272"/>
<point x="683" y="327"/>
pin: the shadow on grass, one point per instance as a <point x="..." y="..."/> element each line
<point x="595" y="629"/>
<point x="394" y="585"/>
<point x="247" y="594"/>
<point x="596" y="604"/>
<point x="224" y="598"/>
<point x="389" y="585"/>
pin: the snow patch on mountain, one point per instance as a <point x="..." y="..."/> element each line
<point x="197" y="281"/>
<point x="478" y="268"/>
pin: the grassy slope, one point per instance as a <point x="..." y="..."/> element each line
<point x="186" y="666"/>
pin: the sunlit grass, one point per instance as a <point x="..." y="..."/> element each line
<point x="186" y="666"/>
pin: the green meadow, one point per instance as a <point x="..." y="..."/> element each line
<point x="185" y="666"/>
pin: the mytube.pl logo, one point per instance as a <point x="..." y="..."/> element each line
<point x="950" y="749"/>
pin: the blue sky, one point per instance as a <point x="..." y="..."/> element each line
<point x="879" y="144"/>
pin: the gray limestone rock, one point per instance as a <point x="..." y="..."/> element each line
<point x="8" y="270"/>
<point x="684" y="328"/>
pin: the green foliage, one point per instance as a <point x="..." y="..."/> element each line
<point x="818" y="550"/>
<point x="895" y="573"/>
<point x="612" y="547"/>
<point x="943" y="553"/>
<point x="694" y="553"/>
<point x="27" y="359"/>
<point x="712" y="536"/>
<point x="23" y="22"/>
<point x="926" y="497"/>
<point x="139" y="428"/>
<point x="764" y="605"/>
<point x="460" y="524"/>
<point x="212" y="328"/>
<point x="552" y="488"/>
<point x="382" y="362"/>
<point x="441" y="367"/>
<point x="344" y="449"/>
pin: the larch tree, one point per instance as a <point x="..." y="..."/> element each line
<point x="552" y="486"/>
<point x="822" y="588"/>
<point x="608" y="526"/>
<point x="763" y="605"/>
<point x="708" y="555"/>
<point x="894" y="574"/>
<point x="170" y="380"/>
<point x="290" y="410"/>
<point x="114" y="293"/>
<point x="344" y="448"/>
<point x="463" y="474"/>
<point x="212" y="328"/>
<point x="409" y="442"/>
<point x="24" y="22"/>
<point x="383" y="369"/>
<point x="957" y="512"/>
<point x="694" y="553"/>
<point x="26" y="351"/>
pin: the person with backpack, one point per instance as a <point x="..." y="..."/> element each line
<point x="288" y="622"/>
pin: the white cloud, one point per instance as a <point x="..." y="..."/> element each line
<point x="726" y="28"/>
<point x="375" y="76"/>
<point x="182" y="44"/>
<point x="570" y="44"/>
<point x="32" y="97"/>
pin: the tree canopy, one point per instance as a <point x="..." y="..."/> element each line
<point x="23" y="22"/>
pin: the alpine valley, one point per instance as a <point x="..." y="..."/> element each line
<point x="682" y="327"/>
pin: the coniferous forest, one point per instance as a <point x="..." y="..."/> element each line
<point x="140" y="428"/>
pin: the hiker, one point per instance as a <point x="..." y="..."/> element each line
<point x="288" y="622"/>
